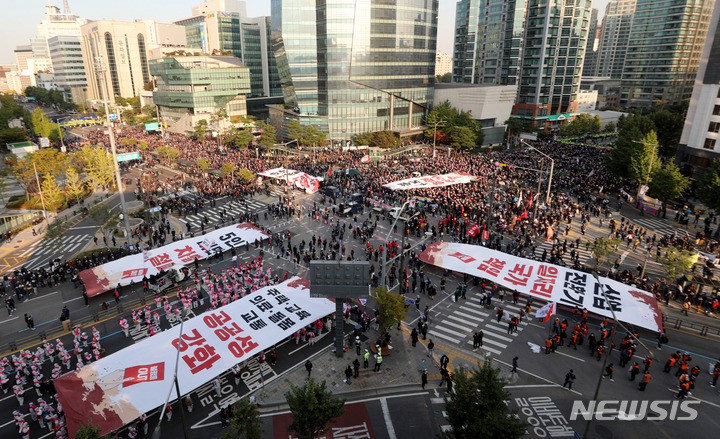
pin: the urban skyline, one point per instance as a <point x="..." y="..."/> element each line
<point x="28" y="14"/>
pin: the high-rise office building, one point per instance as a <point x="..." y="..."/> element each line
<point x="664" y="49"/>
<point x="443" y="63"/>
<point x="223" y="26"/>
<point x="590" y="63"/>
<point x="556" y="34"/>
<point x="356" y="66"/>
<point x="614" y="38"/>
<point x="68" y="67"/>
<point x="488" y="41"/>
<point x="124" y="48"/>
<point x="700" y="139"/>
<point x="191" y="88"/>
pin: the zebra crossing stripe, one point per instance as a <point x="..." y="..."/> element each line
<point x="477" y="317"/>
<point x="485" y="348"/>
<point x="494" y="335"/>
<point x="443" y="336"/>
<point x="446" y="322"/>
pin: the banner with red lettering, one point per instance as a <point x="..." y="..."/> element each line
<point x="430" y="181"/>
<point x="295" y="178"/>
<point x="472" y="231"/>
<point x="135" y="267"/>
<point x="549" y="282"/>
<point x="117" y="389"/>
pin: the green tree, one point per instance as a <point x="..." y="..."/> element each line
<point x="444" y="78"/>
<point x="200" y="129"/>
<point x="52" y="193"/>
<point x="462" y="137"/>
<point x="269" y="134"/>
<point x="42" y="127"/>
<point x="643" y="160"/>
<point x="708" y="186"/>
<point x="295" y="130"/>
<point x="669" y="126"/>
<point x="477" y="408"/>
<point x="363" y="139"/>
<point x="632" y="129"/>
<point x="227" y="168"/>
<point x="390" y="306"/>
<point x="245" y="175"/>
<point x="74" y="186"/>
<point x="240" y="138"/>
<point x="676" y="262"/>
<point x="313" y="136"/>
<point x="385" y="139"/>
<point x="667" y="182"/>
<point x="97" y="166"/>
<point x="602" y="249"/>
<point x="313" y="407"/>
<point x="610" y="127"/>
<point x="12" y="135"/>
<point x="582" y="124"/>
<point x="246" y="422"/>
<point x="448" y="117"/>
<point x="203" y="164"/>
<point x="89" y="431"/>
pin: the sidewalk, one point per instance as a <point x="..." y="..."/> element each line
<point x="26" y="237"/>
<point x="400" y="371"/>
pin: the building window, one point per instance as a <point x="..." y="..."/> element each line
<point x="709" y="144"/>
<point x="112" y="66"/>
<point x="716" y="110"/>
<point x="714" y="127"/>
<point x="143" y="58"/>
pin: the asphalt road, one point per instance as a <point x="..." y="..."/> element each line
<point x="451" y="327"/>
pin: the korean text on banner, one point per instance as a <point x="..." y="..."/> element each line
<point x="117" y="389"/>
<point x="296" y="178"/>
<point x="135" y="267"/>
<point x="549" y="282"/>
<point x="430" y="181"/>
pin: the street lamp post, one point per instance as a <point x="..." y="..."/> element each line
<point x="100" y="69"/>
<point x="552" y="167"/>
<point x="383" y="271"/>
<point x="435" y="134"/>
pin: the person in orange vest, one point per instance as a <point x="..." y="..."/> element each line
<point x="682" y="368"/>
<point x="609" y="371"/>
<point x="716" y="375"/>
<point x="694" y="372"/>
<point x="645" y="381"/>
<point x="600" y="350"/>
<point x="647" y="363"/>
<point x="584" y="314"/>
<point x="548" y="345"/>
<point x="573" y="340"/>
<point x="684" y="390"/>
<point x="669" y="364"/>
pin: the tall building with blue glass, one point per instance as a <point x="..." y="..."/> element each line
<point x="356" y="66"/>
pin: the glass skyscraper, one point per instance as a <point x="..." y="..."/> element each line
<point x="355" y="66"/>
<point x="664" y="49"/>
<point x="488" y="41"/>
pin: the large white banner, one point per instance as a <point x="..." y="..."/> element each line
<point x="135" y="267"/>
<point x="117" y="389"/>
<point x="430" y="181"/>
<point x="549" y="282"/>
<point x="296" y="178"/>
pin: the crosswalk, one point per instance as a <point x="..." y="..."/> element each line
<point x="470" y="316"/>
<point x="39" y="252"/>
<point x="180" y="193"/>
<point x="233" y="208"/>
<point x="655" y="225"/>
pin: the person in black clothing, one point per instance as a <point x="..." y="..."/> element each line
<point x="569" y="379"/>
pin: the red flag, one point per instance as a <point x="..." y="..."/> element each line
<point x="530" y="201"/>
<point x="549" y="233"/>
<point x="472" y="231"/>
<point x="330" y="171"/>
<point x="365" y="159"/>
<point x="524" y="214"/>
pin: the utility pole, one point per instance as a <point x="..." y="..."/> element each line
<point x="100" y="69"/>
<point x="42" y="200"/>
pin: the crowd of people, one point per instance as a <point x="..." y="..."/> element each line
<point x="506" y="198"/>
